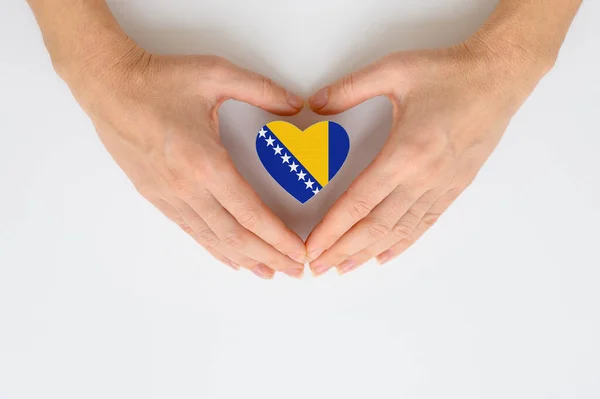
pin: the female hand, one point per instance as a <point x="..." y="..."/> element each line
<point x="451" y="107"/>
<point x="157" y="116"/>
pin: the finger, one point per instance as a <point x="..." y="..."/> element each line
<point x="428" y="220"/>
<point x="373" y="185"/>
<point x="354" y="88"/>
<point x="239" y="260"/>
<point x="170" y="212"/>
<point x="403" y="229"/>
<point x="237" y="197"/>
<point x="215" y="254"/>
<point x="257" y="268"/>
<point x="378" y="224"/>
<point x="207" y="238"/>
<point x="258" y="90"/>
<point x="235" y="236"/>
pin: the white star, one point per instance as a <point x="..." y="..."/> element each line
<point x="270" y="141"/>
<point x="278" y="150"/>
<point x="316" y="191"/>
<point x="301" y="175"/>
<point x="286" y="158"/>
<point x="309" y="183"/>
<point x="262" y="132"/>
<point x="293" y="167"/>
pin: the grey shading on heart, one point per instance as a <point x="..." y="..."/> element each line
<point x="367" y="124"/>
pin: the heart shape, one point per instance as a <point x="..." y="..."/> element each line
<point x="303" y="163"/>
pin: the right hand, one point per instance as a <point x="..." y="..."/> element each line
<point x="157" y="116"/>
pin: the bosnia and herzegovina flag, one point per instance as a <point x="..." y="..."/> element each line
<point x="302" y="162"/>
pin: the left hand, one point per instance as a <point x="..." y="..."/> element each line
<point x="451" y="107"/>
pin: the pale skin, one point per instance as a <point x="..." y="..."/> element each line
<point x="157" y="116"/>
<point x="451" y="107"/>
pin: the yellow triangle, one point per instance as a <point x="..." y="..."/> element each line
<point x="310" y="147"/>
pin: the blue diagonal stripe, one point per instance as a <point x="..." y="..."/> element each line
<point x="281" y="171"/>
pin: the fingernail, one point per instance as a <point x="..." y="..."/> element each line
<point x="263" y="271"/>
<point x="298" y="257"/>
<point x="314" y="254"/>
<point x="346" y="266"/>
<point x="320" y="269"/>
<point x="295" y="273"/>
<point x="295" y="100"/>
<point x="319" y="99"/>
<point x="385" y="257"/>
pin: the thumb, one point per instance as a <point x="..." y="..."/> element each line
<point x="260" y="91"/>
<point x="353" y="89"/>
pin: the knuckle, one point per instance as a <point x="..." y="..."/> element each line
<point x="435" y="167"/>
<point x="180" y="186"/>
<point x="234" y="240"/>
<point x="266" y="85"/>
<point x="249" y="219"/>
<point x="347" y="85"/>
<point x="217" y="67"/>
<point x="410" y="218"/>
<point x="428" y="146"/>
<point x="421" y="149"/>
<point x="402" y="230"/>
<point x="197" y="165"/>
<point x="430" y="219"/>
<point x="207" y="238"/>
<point x="378" y="228"/>
<point x="402" y="197"/>
<point x="184" y="169"/>
<point x="173" y="164"/>
<point x="359" y="208"/>
<point x="441" y="170"/>
<point x="217" y="161"/>
<point x="334" y="236"/>
<point x="176" y="166"/>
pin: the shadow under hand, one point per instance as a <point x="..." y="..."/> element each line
<point x="367" y="125"/>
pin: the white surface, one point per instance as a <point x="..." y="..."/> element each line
<point x="101" y="297"/>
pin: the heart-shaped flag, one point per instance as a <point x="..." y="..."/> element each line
<point x="302" y="162"/>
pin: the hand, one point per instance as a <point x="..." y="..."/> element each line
<point x="157" y="116"/>
<point x="451" y="107"/>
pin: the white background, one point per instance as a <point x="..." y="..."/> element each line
<point x="102" y="297"/>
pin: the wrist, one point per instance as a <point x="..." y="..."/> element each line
<point x="512" y="54"/>
<point x="84" y="40"/>
<point x="105" y="67"/>
<point x="525" y="36"/>
<point x="510" y="67"/>
<point x="95" y="54"/>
